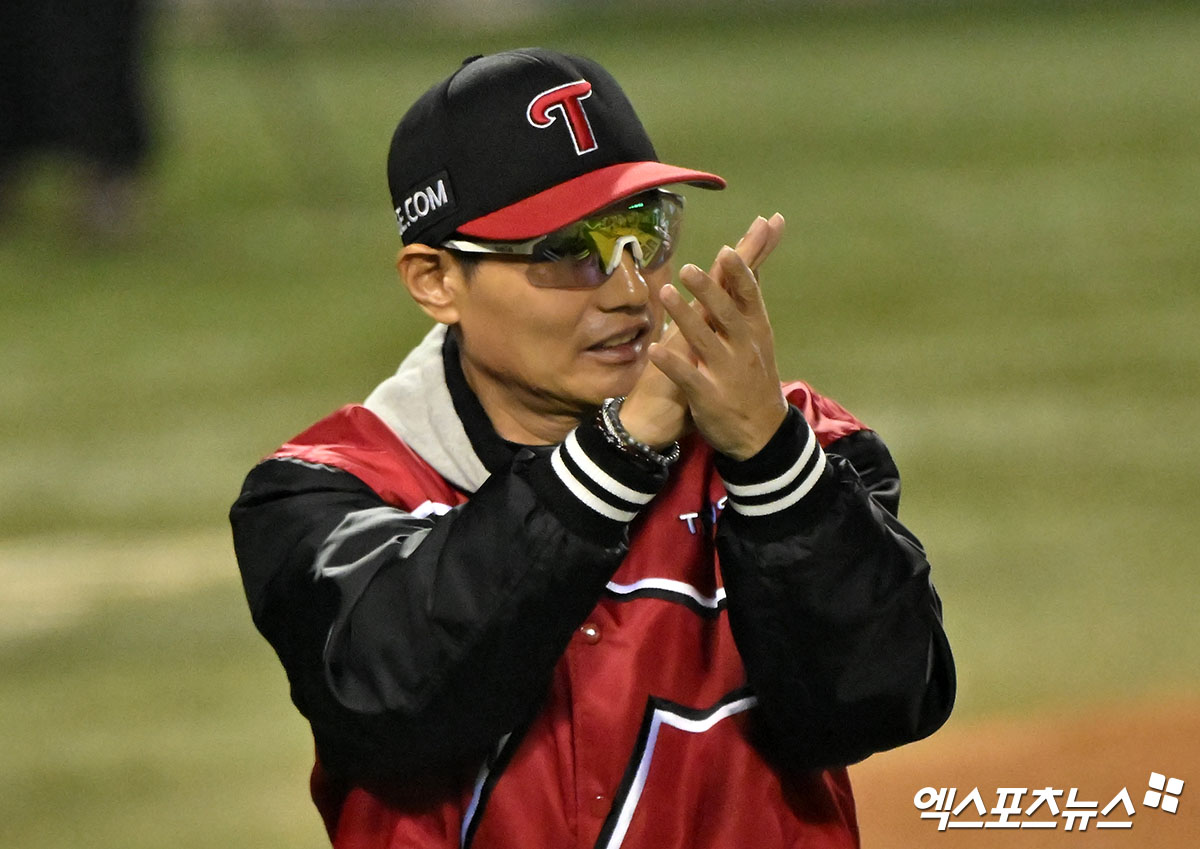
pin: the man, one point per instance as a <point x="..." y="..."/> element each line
<point x="567" y="578"/>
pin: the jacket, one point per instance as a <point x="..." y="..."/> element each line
<point x="506" y="646"/>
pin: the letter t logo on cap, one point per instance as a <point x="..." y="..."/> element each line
<point x="568" y="99"/>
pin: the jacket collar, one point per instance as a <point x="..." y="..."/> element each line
<point x="417" y="404"/>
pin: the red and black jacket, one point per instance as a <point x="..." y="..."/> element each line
<point x="559" y="646"/>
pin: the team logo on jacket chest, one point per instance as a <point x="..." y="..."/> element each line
<point x="703" y="519"/>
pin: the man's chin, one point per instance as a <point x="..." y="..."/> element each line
<point x="617" y="384"/>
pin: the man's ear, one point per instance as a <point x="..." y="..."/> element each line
<point x="432" y="279"/>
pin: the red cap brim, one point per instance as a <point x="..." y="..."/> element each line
<point x="559" y="205"/>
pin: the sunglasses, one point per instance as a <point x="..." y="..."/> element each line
<point x="648" y="224"/>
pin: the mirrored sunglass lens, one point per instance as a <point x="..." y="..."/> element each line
<point x="569" y="244"/>
<point x="570" y="273"/>
<point x="593" y="243"/>
<point x="646" y="228"/>
<point x="660" y="229"/>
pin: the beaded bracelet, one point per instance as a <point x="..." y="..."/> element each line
<point x="615" y="433"/>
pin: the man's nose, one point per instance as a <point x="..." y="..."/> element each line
<point x="626" y="287"/>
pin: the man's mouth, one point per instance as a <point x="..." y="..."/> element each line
<point x="623" y="339"/>
<point x="624" y="347"/>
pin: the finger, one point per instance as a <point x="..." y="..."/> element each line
<point x="740" y="283"/>
<point x="720" y="308"/>
<point x="670" y="332"/>
<point x="774" y="235"/>
<point x="672" y="339"/>
<point x="751" y="246"/>
<point x="692" y="322"/>
<point x="681" y="371"/>
<point x="762" y="237"/>
<point x="758" y="242"/>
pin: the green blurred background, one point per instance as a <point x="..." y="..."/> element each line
<point x="993" y="258"/>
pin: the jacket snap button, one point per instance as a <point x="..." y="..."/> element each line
<point x="591" y="633"/>
<point x="598" y="805"/>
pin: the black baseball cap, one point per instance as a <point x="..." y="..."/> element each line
<point x="518" y="144"/>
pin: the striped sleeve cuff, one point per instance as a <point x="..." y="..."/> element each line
<point x="784" y="483"/>
<point x="593" y="486"/>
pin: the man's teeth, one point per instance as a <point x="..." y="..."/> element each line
<point x="622" y="340"/>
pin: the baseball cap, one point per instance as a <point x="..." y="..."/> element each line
<point x="517" y="144"/>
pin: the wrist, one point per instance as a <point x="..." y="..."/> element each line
<point x="785" y="485"/>
<point x="764" y="431"/>
<point x="615" y="432"/>
<point x="654" y="423"/>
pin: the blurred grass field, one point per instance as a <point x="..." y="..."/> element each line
<point x="993" y="257"/>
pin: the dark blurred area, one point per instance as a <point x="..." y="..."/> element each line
<point x="72" y="85"/>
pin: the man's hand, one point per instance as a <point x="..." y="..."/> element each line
<point x="727" y="374"/>
<point x="656" y="411"/>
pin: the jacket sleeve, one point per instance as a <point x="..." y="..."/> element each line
<point x="830" y="599"/>
<point x="413" y="643"/>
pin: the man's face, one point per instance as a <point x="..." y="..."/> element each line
<point x="533" y="352"/>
